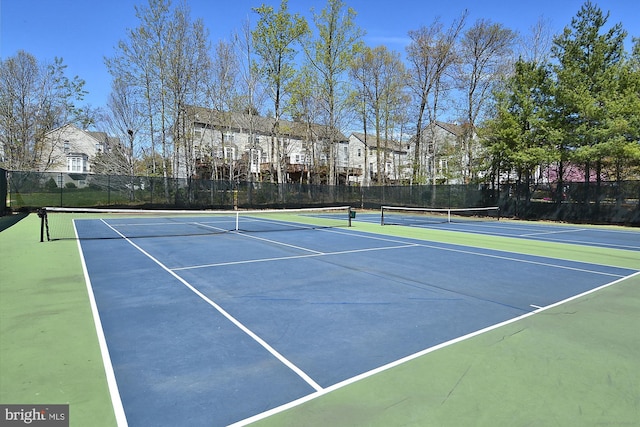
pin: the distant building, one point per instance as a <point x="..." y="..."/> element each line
<point x="240" y="146"/>
<point x="70" y="150"/>
<point x="444" y="156"/>
<point x="363" y="160"/>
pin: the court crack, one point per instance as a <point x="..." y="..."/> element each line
<point x="396" y="403"/>
<point x="504" y="337"/>
<point x="464" y="374"/>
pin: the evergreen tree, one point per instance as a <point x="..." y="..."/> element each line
<point x="589" y="62"/>
<point x="518" y="137"/>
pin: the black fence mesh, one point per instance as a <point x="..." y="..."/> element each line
<point x="3" y="192"/>
<point x="604" y="202"/>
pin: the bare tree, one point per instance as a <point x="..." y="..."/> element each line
<point x="485" y="57"/>
<point x="379" y="75"/>
<point x="189" y="71"/>
<point x="251" y="95"/>
<point x="274" y="39"/>
<point x="124" y="121"/>
<point x="361" y="98"/>
<point x="166" y="59"/>
<point x="141" y="61"/>
<point x="221" y="95"/>
<point x="304" y="107"/>
<point x="431" y="54"/>
<point x="535" y="47"/>
<point x="35" y="98"/>
<point x="330" y="55"/>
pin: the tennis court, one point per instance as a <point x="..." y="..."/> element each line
<point x="487" y="221"/>
<point x="216" y="329"/>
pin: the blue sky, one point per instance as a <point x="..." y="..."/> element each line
<point x="83" y="32"/>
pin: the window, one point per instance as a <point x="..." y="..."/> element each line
<point x="359" y="152"/>
<point x="98" y="147"/>
<point x="229" y="153"/>
<point x="444" y="167"/>
<point x="77" y="163"/>
<point x="255" y="160"/>
<point x="67" y="146"/>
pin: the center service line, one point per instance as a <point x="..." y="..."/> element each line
<point x="233" y="320"/>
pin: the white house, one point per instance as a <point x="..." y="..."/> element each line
<point x="444" y="156"/>
<point x="70" y="151"/>
<point x="364" y="155"/>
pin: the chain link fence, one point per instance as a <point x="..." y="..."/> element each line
<point x="598" y="203"/>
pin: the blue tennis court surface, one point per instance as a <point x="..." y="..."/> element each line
<point x="214" y="329"/>
<point x="563" y="233"/>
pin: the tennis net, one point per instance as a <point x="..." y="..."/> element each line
<point x="410" y="216"/>
<point x="89" y="223"/>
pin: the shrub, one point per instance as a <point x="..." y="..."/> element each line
<point x="51" y="185"/>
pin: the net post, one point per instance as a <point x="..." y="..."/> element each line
<point x="42" y="213"/>
<point x="449" y="215"/>
<point x="381" y="215"/>
<point x="237" y="221"/>
<point x="349" y="215"/>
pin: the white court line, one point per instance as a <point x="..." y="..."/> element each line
<point x="404" y="243"/>
<point x="411" y="357"/>
<point x="455" y="228"/>
<point x="401" y="245"/>
<point x="314" y="255"/>
<point x="552" y="232"/>
<point x="281" y="243"/>
<point x="232" y="319"/>
<point x="489" y="255"/>
<point x="590" y="243"/>
<point x="116" y="401"/>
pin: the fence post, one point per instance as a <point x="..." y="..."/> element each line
<point x="61" y="181"/>
<point x="3" y="191"/>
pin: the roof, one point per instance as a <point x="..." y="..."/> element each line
<point x="372" y="141"/>
<point x="100" y="137"/>
<point x="242" y="122"/>
<point x="61" y="129"/>
<point x="452" y="128"/>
